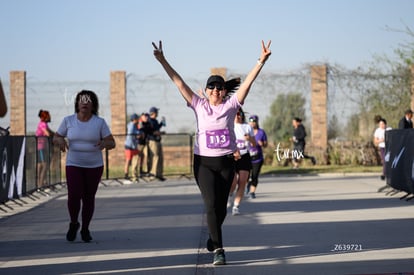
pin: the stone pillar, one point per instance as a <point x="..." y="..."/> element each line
<point x="412" y="87"/>
<point x="118" y="102"/>
<point x="118" y="116"/>
<point x="319" y="86"/>
<point x="18" y="103"/>
<point x="219" y="71"/>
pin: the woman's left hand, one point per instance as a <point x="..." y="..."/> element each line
<point x="158" y="53"/>
<point x="101" y="144"/>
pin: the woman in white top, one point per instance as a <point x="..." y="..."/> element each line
<point x="87" y="135"/>
<point x="244" y="140"/>
<point x="379" y="140"/>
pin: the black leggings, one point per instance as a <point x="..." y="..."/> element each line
<point x="214" y="176"/>
<point x="256" y="167"/>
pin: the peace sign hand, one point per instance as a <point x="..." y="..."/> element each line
<point x="265" y="52"/>
<point x="158" y="51"/>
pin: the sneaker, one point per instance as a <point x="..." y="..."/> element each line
<point x="161" y="178"/>
<point x="86" y="235"/>
<point x="219" y="257"/>
<point x="252" y="195"/>
<point x="210" y="245"/>
<point x="235" y="211"/>
<point x="127" y="181"/>
<point x="73" y="229"/>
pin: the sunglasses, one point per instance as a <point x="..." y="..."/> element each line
<point x="212" y="86"/>
<point x="252" y="120"/>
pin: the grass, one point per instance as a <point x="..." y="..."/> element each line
<point x="287" y="170"/>
<point x="319" y="169"/>
<point x="117" y="172"/>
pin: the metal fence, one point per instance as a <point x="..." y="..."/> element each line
<point x="21" y="164"/>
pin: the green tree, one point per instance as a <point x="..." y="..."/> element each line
<point x="352" y="127"/>
<point x="384" y="86"/>
<point x="283" y="109"/>
<point x="334" y="128"/>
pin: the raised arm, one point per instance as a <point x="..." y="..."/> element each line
<point x="3" y="104"/>
<point x="185" y="91"/>
<point x="244" y="89"/>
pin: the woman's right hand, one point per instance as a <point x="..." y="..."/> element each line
<point x="266" y="52"/>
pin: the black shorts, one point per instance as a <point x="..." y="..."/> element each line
<point x="245" y="163"/>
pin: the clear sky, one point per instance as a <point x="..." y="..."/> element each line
<point x="78" y="40"/>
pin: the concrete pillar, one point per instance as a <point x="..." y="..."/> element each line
<point x="118" y="102"/>
<point x="18" y="103"/>
<point x="319" y="86"/>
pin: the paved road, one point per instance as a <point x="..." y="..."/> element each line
<point x="335" y="224"/>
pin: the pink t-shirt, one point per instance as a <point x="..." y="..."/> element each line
<point x="215" y="126"/>
<point x="41" y="137"/>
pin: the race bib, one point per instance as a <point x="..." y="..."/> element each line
<point x="253" y="151"/>
<point x="241" y="144"/>
<point x="217" y="139"/>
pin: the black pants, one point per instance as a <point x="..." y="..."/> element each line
<point x="300" y="151"/>
<point x="214" y="176"/>
<point x="256" y="167"/>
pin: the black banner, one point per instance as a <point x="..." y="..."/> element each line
<point x="12" y="179"/>
<point x="399" y="156"/>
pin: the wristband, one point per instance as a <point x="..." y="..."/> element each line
<point x="260" y="63"/>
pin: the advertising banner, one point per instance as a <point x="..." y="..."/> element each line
<point x="399" y="156"/>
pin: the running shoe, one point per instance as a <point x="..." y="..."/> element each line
<point x="219" y="257"/>
<point x="235" y="211"/>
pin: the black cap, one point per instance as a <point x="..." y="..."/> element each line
<point x="134" y="116"/>
<point x="153" y="110"/>
<point x="215" y="79"/>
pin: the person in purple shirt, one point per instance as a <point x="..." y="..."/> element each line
<point x="215" y="148"/>
<point x="256" y="154"/>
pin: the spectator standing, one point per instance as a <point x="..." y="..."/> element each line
<point x="406" y="122"/>
<point x="155" y="153"/>
<point x="131" y="148"/>
<point x="43" y="134"/>
<point x="84" y="135"/>
<point x="145" y="127"/>
<point x="379" y="141"/>
<point x="256" y="154"/>
<point x="215" y="148"/>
